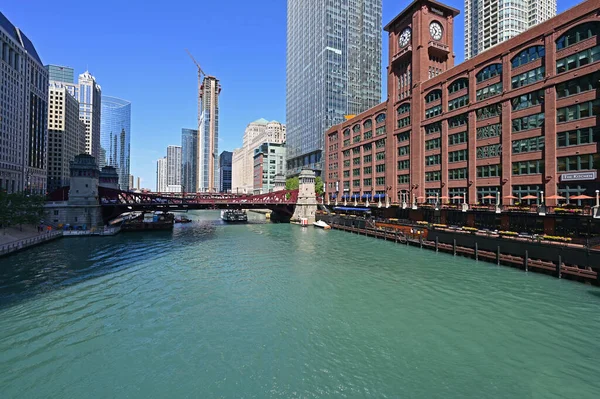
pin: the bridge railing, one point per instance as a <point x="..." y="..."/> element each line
<point x="117" y="197"/>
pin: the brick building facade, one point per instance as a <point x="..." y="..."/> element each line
<point x="516" y="120"/>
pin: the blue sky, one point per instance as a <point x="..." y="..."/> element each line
<point x="136" y="51"/>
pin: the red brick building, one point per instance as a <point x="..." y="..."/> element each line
<point x="516" y="120"/>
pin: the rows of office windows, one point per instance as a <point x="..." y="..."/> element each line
<point x="489" y="112"/>
<point x="457" y="174"/>
<point x="528" y="55"/>
<point x="528" y="100"/>
<point x="435" y="159"/>
<point x="458" y="102"/>
<point x="433" y="176"/>
<point x="486" y="132"/>
<point x="528" y="122"/>
<point x="528" y="145"/>
<point x="488" y="91"/>
<point x="529" y="77"/>
<point x="578" y="162"/>
<point x="578" y="137"/>
<point x="433" y="111"/>
<point x="527" y="167"/>
<point x="432" y="96"/>
<point x="489" y="72"/>
<point x="579" y="59"/>
<point x="578" y="85"/>
<point x="489" y="151"/>
<point x="457" y="138"/>
<point x="402" y="151"/>
<point x="489" y="171"/>
<point x="578" y="111"/>
<point x="578" y="33"/>
<point x="457" y="156"/>
<point x="433" y="128"/>
<point x="433" y="144"/>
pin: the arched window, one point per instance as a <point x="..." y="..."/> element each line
<point x="433" y="95"/>
<point x="458" y="85"/>
<point x="380" y="118"/>
<point x="346" y="132"/>
<point x="404" y="108"/>
<point x="356" y="128"/>
<point x="577" y="34"/>
<point x="528" y="55"/>
<point x="368" y="123"/>
<point x="489" y="72"/>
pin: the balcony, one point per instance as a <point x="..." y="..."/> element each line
<point x="438" y="48"/>
<point x="402" y="53"/>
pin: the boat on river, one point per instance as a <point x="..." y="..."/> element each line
<point x="182" y="219"/>
<point x="234" y="216"/>
<point x="149" y="221"/>
<point x="322" y="225"/>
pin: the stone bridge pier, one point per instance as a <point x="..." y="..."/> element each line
<point x="306" y="205"/>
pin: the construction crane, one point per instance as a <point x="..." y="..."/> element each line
<point x="200" y="71"/>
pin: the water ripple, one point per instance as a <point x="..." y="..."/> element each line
<point x="268" y="310"/>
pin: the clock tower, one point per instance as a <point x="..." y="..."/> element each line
<point x="420" y="48"/>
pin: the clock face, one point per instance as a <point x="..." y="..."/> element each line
<point x="405" y="37"/>
<point x="435" y="29"/>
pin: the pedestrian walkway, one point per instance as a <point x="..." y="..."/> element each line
<point x="14" y="239"/>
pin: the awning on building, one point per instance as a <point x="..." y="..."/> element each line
<point x="347" y="208"/>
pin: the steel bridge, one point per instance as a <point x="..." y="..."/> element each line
<point x="146" y="201"/>
<point x="115" y="202"/>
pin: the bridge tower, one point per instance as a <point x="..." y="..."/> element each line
<point x="109" y="178"/>
<point x="306" y="206"/>
<point x="279" y="182"/>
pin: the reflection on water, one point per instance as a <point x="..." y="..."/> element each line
<point x="275" y="310"/>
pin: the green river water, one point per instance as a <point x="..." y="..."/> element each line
<point x="276" y="311"/>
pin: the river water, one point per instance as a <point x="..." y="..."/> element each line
<point x="276" y="311"/>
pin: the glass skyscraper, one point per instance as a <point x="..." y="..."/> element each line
<point x="189" y="160"/>
<point x="59" y="73"/>
<point x="333" y="70"/>
<point x="115" y="133"/>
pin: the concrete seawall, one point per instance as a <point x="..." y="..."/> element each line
<point x="19" y="245"/>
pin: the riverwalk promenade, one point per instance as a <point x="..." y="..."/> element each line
<point x="562" y="260"/>
<point x="15" y="239"/>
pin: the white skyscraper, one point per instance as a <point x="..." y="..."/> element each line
<point x="489" y="22"/>
<point x="66" y="133"/>
<point x="257" y="133"/>
<point x="161" y="175"/>
<point x="89" y="96"/>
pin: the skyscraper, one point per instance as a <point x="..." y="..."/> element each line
<point x="489" y="22"/>
<point x="23" y="113"/>
<point x="161" y="175"/>
<point x="208" y="138"/>
<point x="89" y="95"/>
<point x="257" y="133"/>
<point x="66" y="135"/>
<point x="115" y="134"/>
<point x="333" y="70"/>
<point x="174" y="167"/>
<point x="189" y="160"/>
<point x="225" y="171"/>
<point x="59" y="73"/>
